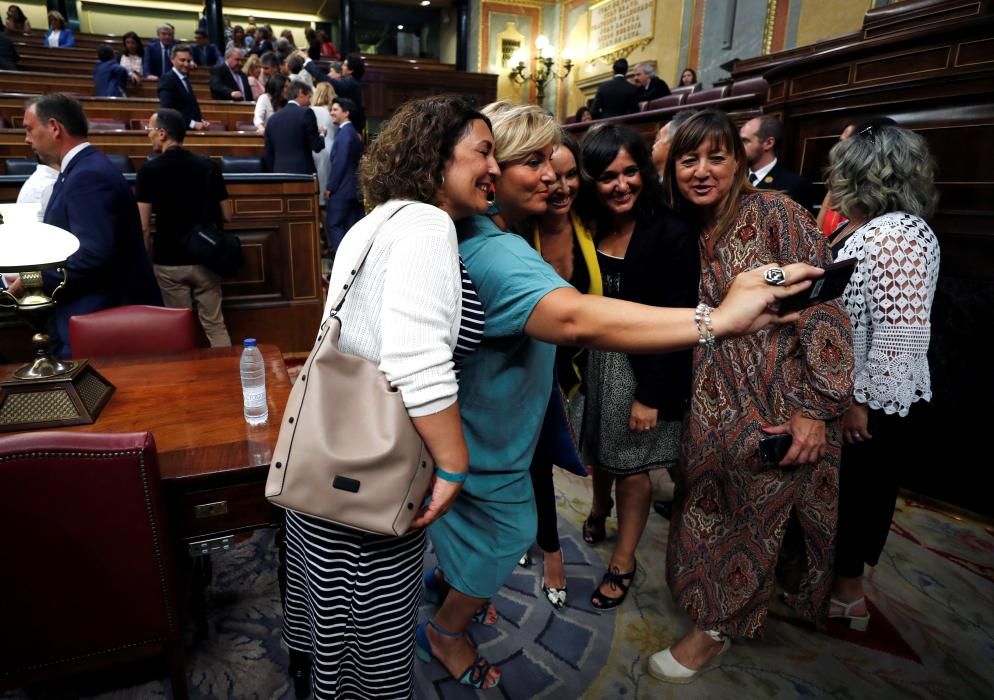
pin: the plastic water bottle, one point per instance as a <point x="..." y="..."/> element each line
<point x="253" y="370"/>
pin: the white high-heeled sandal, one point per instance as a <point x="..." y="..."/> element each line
<point x="858" y="623"/>
<point x="664" y="666"/>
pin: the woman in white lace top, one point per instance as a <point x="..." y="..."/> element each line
<point x="882" y="180"/>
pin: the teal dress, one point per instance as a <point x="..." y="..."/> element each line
<point x="503" y="393"/>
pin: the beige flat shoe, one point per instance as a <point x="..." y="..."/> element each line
<point x="664" y="666"/>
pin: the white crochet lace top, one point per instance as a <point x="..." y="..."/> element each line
<point x="889" y="300"/>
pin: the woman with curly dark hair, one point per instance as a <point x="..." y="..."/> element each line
<point x="16" y="21"/>
<point x="352" y="597"/>
<point x="132" y="56"/>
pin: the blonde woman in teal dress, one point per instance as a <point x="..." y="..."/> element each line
<point x="504" y="386"/>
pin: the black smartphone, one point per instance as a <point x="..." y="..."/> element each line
<point x="773" y="448"/>
<point x="827" y="287"/>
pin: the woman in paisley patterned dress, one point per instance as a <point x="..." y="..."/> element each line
<point x="730" y="512"/>
<point x="882" y="178"/>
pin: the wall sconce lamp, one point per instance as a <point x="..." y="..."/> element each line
<point x="544" y="69"/>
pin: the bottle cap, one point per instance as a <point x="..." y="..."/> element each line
<point x="250" y="342"/>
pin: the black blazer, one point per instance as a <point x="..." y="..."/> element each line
<point x="797" y="187"/>
<point x="656" y="88"/>
<point x="223" y="84"/>
<point x="172" y="94"/>
<point x="662" y="268"/>
<point x="291" y="136"/>
<point x="615" y="97"/>
<point x="93" y="201"/>
<point x="344" y="87"/>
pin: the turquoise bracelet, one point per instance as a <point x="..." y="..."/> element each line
<point x="450" y="476"/>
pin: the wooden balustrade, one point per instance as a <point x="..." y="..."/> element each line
<point x="135" y="144"/>
<point x="133" y="111"/>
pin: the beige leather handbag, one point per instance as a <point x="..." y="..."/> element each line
<point x="347" y="450"/>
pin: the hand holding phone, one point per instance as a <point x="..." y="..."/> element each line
<point x="773" y="448"/>
<point x="827" y="287"/>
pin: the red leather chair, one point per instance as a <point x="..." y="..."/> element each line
<point x="132" y="330"/>
<point x="88" y="571"/>
<point x="665" y="102"/>
<point x="709" y="95"/>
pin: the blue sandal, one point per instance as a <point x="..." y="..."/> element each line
<point x="475" y="674"/>
<point x="436" y="588"/>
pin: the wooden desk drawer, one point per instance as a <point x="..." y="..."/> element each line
<point x="230" y="508"/>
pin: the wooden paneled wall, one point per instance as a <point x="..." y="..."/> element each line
<point x="930" y="66"/>
<point x="277" y="296"/>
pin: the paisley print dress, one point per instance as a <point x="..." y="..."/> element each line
<point x="730" y="511"/>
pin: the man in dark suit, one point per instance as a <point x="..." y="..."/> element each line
<point x="292" y="134"/>
<point x="176" y="90"/>
<point x="109" y="76"/>
<point x="650" y="86"/>
<point x="156" y="60"/>
<point x="761" y="137"/>
<point x="349" y="86"/>
<point x="92" y="200"/>
<point x="204" y="52"/>
<point x="342" y="190"/>
<point x="617" y="96"/>
<point x="227" y="80"/>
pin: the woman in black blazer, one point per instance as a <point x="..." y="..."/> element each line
<point x="634" y="403"/>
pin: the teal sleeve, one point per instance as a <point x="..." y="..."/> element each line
<point x="510" y="278"/>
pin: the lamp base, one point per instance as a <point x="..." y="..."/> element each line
<point x="75" y="397"/>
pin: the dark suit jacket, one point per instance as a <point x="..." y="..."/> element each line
<point x="342" y="181"/>
<point x="344" y="87"/>
<point x="152" y="61"/>
<point x="223" y="83"/>
<point x="92" y="200"/>
<point x="615" y="97"/>
<point x="109" y="79"/>
<point x="291" y="137"/>
<point x="662" y="268"/>
<point x="797" y="187"/>
<point x="206" y="56"/>
<point x="657" y="87"/>
<point x="8" y="54"/>
<point x="173" y="94"/>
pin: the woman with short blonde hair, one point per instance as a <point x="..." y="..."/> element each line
<point x="324" y="93"/>
<point x="59" y="36"/>
<point x="253" y="69"/>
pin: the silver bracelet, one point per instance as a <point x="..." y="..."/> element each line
<point x="705" y="331"/>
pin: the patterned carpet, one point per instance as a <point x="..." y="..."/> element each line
<point x="932" y="634"/>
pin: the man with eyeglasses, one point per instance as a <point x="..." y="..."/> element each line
<point x="762" y="137"/>
<point x="183" y="190"/>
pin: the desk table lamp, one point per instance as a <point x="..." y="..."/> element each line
<point x="47" y="392"/>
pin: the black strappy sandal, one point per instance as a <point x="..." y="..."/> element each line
<point x="594" y="530"/>
<point x="617" y="581"/>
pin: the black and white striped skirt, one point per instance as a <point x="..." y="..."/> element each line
<point x="351" y="602"/>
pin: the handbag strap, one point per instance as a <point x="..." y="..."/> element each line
<point x="337" y="306"/>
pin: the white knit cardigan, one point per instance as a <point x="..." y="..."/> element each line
<point x="403" y="310"/>
<point x="889" y="300"/>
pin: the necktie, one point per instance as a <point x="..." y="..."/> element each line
<point x="753" y="179"/>
<point x="164" y="61"/>
<point x="185" y="84"/>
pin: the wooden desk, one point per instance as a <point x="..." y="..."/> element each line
<point x="208" y="454"/>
